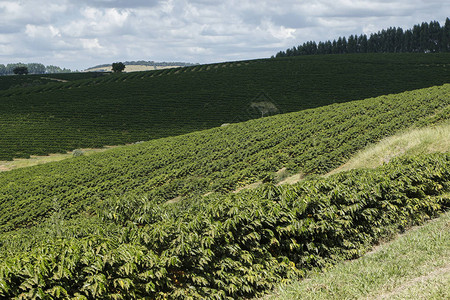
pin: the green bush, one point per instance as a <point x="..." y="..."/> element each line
<point x="77" y="152"/>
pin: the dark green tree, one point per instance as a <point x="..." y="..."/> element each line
<point x="445" y="36"/>
<point x="425" y="37"/>
<point x="118" y="67"/>
<point x="21" y="70"/>
<point x="362" y="43"/>
<point x="352" y="44"/>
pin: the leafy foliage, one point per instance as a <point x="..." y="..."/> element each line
<point x="220" y="159"/>
<point x="228" y="246"/>
<point x="107" y="109"/>
<point x="118" y="67"/>
<point x="77" y="152"/>
<point x="20" y="70"/>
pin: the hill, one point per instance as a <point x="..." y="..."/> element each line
<point x="125" y="108"/>
<point x="135" y="66"/>
<point x="234" y="246"/>
<point x="132" y="68"/>
<point x="221" y="159"/>
<point x="16" y="82"/>
<point x="157" y="220"/>
<point x="413" y="266"/>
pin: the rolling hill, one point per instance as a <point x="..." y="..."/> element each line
<point x="157" y="219"/>
<point x="125" y="108"/>
<point x="222" y="159"/>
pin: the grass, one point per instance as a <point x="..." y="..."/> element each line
<point x="416" y="265"/>
<point x="412" y="142"/>
<point x="34" y="160"/>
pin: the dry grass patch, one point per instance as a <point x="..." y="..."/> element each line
<point x="39" y="160"/>
<point x="413" y="142"/>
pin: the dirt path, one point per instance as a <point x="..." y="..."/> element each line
<point x="55" y="79"/>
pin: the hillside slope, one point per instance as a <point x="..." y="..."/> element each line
<point x="416" y="265"/>
<point x="221" y="246"/>
<point x="221" y="159"/>
<point x="102" y="226"/>
<point x="124" y="108"/>
<point x="413" y="142"/>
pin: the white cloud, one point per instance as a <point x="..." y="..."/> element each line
<point x="90" y="44"/>
<point x="79" y="34"/>
<point x="278" y="32"/>
<point x="42" y="32"/>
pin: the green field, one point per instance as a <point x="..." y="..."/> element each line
<point x="313" y="141"/>
<point x="226" y="247"/>
<point x="124" y="108"/>
<point x="199" y="210"/>
<point x="18" y="82"/>
<point x="158" y="219"/>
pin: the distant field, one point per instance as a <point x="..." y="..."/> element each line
<point x="113" y="109"/>
<point x="132" y="68"/>
<point x="16" y="81"/>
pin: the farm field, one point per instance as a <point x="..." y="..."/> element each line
<point x="125" y="108"/>
<point x="221" y="159"/>
<point x="157" y="219"/>
<point x="17" y="82"/>
<point x="231" y="246"/>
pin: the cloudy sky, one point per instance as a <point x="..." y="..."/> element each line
<point x="78" y="34"/>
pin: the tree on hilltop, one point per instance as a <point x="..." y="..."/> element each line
<point x="118" y="67"/>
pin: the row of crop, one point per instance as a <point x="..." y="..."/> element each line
<point x="92" y="79"/>
<point x="220" y="159"/>
<point x="15" y="82"/>
<point x="226" y="247"/>
<point x="89" y="79"/>
<point x="201" y="99"/>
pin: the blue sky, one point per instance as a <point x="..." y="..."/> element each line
<point x="79" y="34"/>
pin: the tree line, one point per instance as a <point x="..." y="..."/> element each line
<point x="422" y="38"/>
<point x="33" y="68"/>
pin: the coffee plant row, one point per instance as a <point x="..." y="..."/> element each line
<point x="110" y="109"/>
<point x="231" y="246"/>
<point x="221" y="159"/>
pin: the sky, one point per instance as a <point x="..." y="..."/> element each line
<point x="78" y="34"/>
